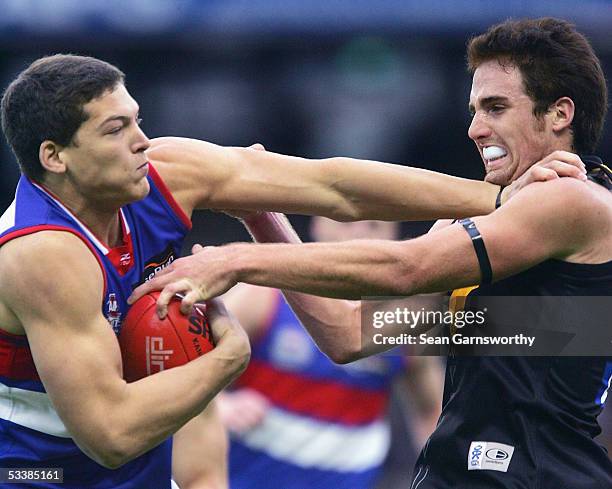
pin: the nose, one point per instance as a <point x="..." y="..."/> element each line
<point x="479" y="129"/>
<point x="142" y="142"/>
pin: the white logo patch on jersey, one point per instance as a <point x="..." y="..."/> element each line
<point x="291" y="349"/>
<point x="489" y="455"/>
<point x="114" y="314"/>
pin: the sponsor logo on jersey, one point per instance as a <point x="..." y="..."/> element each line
<point x="125" y="260"/>
<point x="157" y="263"/>
<point x="489" y="455"/>
<point x="496" y="454"/>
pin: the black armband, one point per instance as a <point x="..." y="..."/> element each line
<point x="499" y="196"/>
<point x="480" y="249"/>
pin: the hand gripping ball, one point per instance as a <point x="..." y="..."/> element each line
<point x="150" y="345"/>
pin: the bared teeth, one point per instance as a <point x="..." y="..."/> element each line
<point x="492" y="153"/>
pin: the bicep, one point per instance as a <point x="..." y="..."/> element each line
<point x="202" y="175"/>
<point x="526" y="231"/>
<point x="192" y="170"/>
<point x="75" y="351"/>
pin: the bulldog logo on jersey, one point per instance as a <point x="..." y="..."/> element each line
<point x="157" y="263"/>
<point x="113" y="314"/>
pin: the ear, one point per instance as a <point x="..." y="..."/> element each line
<point x="51" y="157"/>
<point x="562" y="114"/>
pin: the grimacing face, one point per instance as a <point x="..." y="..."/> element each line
<point x="508" y="136"/>
<point x="107" y="161"/>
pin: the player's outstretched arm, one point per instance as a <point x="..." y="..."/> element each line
<point x="52" y="283"/>
<point x="204" y="175"/>
<point x="526" y="231"/>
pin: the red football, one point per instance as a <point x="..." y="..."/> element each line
<point x="150" y="345"/>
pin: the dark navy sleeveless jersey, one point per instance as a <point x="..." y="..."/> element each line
<point x="524" y="422"/>
<point x="31" y="432"/>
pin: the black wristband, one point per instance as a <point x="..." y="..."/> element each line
<point x="480" y="249"/>
<point x="499" y="196"/>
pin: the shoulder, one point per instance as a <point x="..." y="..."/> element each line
<point x="185" y="151"/>
<point x="39" y="268"/>
<point x="563" y="199"/>
<point x="191" y="169"/>
<point x="566" y="216"/>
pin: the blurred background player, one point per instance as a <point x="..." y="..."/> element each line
<point x="299" y="421"/>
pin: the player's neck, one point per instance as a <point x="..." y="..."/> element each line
<point x="100" y="217"/>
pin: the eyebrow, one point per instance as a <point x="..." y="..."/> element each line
<point x="488" y="101"/>
<point x="122" y="118"/>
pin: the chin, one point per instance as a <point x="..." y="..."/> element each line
<point x="497" y="178"/>
<point x="143" y="189"/>
<point x="137" y="192"/>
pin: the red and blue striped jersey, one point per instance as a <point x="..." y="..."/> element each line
<point x="326" y="426"/>
<point x="31" y="432"/>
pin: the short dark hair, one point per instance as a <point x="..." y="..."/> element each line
<point x="555" y="61"/>
<point x="45" y="102"/>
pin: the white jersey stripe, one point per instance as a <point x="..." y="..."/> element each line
<point x="32" y="410"/>
<point x="307" y="442"/>
<point x="125" y="221"/>
<point x="92" y="237"/>
<point x="7" y="220"/>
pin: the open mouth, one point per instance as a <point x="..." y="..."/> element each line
<point x="493" y="154"/>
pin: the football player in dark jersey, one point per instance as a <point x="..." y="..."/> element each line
<point x="538" y="93"/>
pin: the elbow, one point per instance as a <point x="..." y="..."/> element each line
<point x="111" y="461"/>
<point x="343" y="207"/>
<point x="111" y="457"/>
<point x="343" y="356"/>
<point x="109" y="450"/>
<point x="348" y="345"/>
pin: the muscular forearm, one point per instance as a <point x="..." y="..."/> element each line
<point x="382" y="191"/>
<point x="172" y="398"/>
<point x="348" y="189"/>
<point x="352" y="270"/>
<point x="344" y="189"/>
